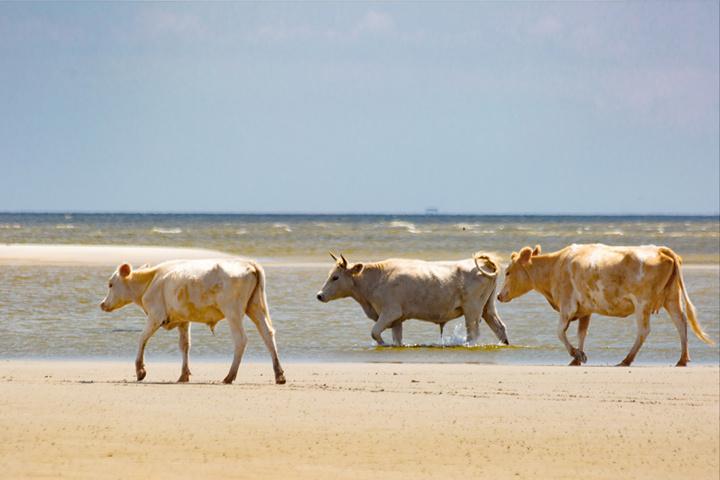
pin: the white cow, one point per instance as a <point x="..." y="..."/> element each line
<point x="395" y="290"/>
<point x="175" y="293"/>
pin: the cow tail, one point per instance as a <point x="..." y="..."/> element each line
<point x="690" y="311"/>
<point x="258" y="294"/>
<point x="488" y="262"/>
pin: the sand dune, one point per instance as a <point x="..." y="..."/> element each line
<point x="98" y="255"/>
<point x="91" y="420"/>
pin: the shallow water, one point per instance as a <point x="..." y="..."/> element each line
<point x="53" y="311"/>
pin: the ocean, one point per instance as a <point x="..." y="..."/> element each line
<point x="52" y="311"/>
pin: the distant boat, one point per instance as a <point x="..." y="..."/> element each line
<point x="431" y="211"/>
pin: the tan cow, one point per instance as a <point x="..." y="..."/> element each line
<point x="580" y="280"/>
<point x="395" y="290"/>
<point x="175" y="293"/>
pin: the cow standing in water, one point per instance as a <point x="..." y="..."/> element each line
<point x="173" y="294"/>
<point x="395" y="290"/>
<point x="580" y="280"/>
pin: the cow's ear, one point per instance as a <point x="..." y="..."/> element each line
<point x="514" y="256"/>
<point x="124" y="270"/>
<point x="525" y="255"/>
<point x="357" y="268"/>
<point x="537" y="250"/>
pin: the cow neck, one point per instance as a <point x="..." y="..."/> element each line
<point x="140" y="281"/>
<point x="539" y="271"/>
<point x="364" y="283"/>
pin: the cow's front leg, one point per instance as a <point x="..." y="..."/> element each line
<point x="383" y="323"/>
<point x="184" y="342"/>
<point x="577" y="354"/>
<point x="150" y="328"/>
<point x="583" y="323"/>
<point x="397" y="331"/>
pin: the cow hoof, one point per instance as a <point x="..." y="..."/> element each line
<point x="184" y="378"/>
<point x="228" y="380"/>
<point x="579" y="355"/>
<point x="280" y="379"/>
<point x="505" y="342"/>
<point x="681" y="364"/>
<point x="575" y="363"/>
<point x="623" y="364"/>
<point x="140" y="374"/>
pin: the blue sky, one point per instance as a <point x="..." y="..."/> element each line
<point x="494" y="107"/>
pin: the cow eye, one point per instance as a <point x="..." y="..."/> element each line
<point x="507" y="274"/>
<point x="110" y="285"/>
<point x="334" y="278"/>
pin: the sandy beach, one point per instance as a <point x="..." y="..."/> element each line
<point x="89" y="419"/>
<point x="96" y="255"/>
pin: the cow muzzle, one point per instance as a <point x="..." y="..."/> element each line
<point x="320" y="297"/>
<point x="104" y="307"/>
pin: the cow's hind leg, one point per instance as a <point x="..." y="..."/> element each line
<point x="261" y="318"/>
<point x="150" y="328"/>
<point x="184" y="343"/>
<point x="494" y="322"/>
<point x="642" y="316"/>
<point x="583" y="323"/>
<point x="240" y="340"/>
<point x="674" y="308"/>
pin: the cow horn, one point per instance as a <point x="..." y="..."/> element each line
<point x="344" y="260"/>
<point x="333" y="256"/>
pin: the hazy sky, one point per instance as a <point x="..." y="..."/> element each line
<point x="495" y="107"/>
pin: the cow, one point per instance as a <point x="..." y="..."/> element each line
<point x="580" y="280"/>
<point x="394" y="290"/>
<point x="172" y="294"/>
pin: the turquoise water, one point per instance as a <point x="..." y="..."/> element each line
<point x="50" y="311"/>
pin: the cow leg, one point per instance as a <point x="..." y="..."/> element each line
<point x="494" y="322"/>
<point x="674" y="308"/>
<point x="397" y="331"/>
<point x="577" y="354"/>
<point x="583" y="323"/>
<point x="240" y="340"/>
<point x="184" y="342"/>
<point x="642" y="317"/>
<point x="261" y="318"/>
<point x="384" y="322"/>
<point x="472" y="327"/>
<point x="150" y="328"/>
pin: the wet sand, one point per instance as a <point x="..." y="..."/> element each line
<point x="90" y="419"/>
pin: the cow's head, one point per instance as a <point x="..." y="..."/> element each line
<point x="339" y="283"/>
<point x="119" y="293"/>
<point x="517" y="278"/>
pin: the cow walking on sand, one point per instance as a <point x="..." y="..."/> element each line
<point x="175" y="293"/>
<point x="395" y="290"/>
<point x="580" y="280"/>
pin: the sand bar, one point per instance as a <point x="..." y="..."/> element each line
<point x="89" y="419"/>
<point x="96" y="255"/>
